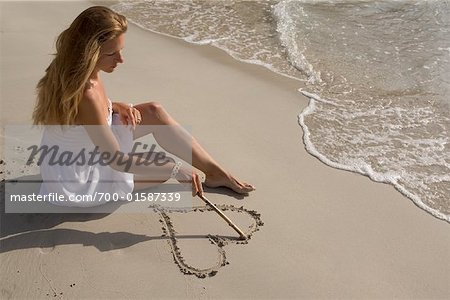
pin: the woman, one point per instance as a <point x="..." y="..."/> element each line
<point x="72" y="93"/>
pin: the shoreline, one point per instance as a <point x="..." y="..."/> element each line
<point x="369" y="173"/>
<point x="312" y="99"/>
<point x="326" y="233"/>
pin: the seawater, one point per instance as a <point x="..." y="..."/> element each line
<point x="377" y="74"/>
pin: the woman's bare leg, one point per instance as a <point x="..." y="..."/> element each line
<point x="142" y="182"/>
<point x="177" y="141"/>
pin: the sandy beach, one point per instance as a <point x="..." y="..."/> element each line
<point x="327" y="233"/>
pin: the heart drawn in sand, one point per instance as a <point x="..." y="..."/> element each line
<point x="219" y="241"/>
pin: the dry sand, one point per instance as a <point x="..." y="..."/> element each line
<point x="326" y="234"/>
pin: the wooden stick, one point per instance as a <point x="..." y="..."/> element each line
<point x="217" y="210"/>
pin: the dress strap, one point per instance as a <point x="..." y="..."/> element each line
<point x="109" y="118"/>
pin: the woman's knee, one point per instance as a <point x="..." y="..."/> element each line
<point x="154" y="107"/>
<point x="157" y="111"/>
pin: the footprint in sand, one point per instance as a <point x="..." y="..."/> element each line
<point x="219" y="241"/>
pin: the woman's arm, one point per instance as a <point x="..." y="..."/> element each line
<point x="128" y="114"/>
<point x="92" y="115"/>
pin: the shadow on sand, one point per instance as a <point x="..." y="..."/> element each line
<point x="36" y="230"/>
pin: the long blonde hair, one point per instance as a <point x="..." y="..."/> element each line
<point x="61" y="89"/>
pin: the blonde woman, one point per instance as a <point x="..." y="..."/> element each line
<point x="72" y="94"/>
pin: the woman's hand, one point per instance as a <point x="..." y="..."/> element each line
<point x="188" y="176"/>
<point x="129" y="115"/>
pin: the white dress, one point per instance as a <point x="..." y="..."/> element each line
<point x="80" y="181"/>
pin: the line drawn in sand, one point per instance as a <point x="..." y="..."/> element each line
<point x="219" y="241"/>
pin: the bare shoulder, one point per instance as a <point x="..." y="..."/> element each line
<point x="90" y="109"/>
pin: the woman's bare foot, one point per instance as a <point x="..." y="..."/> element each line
<point x="227" y="180"/>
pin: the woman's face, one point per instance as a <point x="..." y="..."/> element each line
<point x="110" y="54"/>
